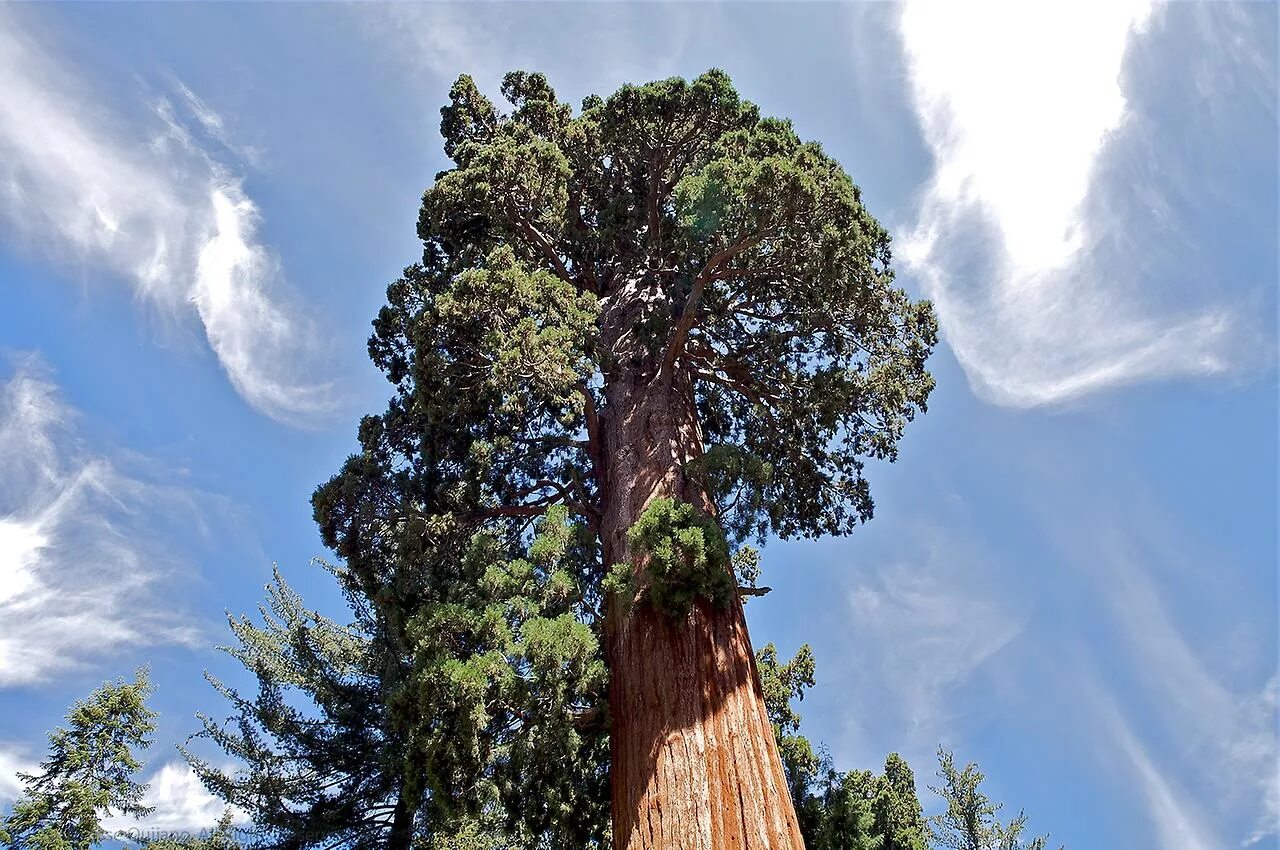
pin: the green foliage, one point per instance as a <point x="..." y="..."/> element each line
<point x="781" y="684"/>
<point x="513" y="683"/>
<point x="845" y="815"/>
<point x="662" y="202"/>
<point x="897" y="808"/>
<point x="746" y="565"/>
<point x="971" y="820"/>
<point x="664" y="236"/>
<point x="318" y="759"/>
<point x="686" y="556"/>
<point x="483" y="710"/>
<point x="88" y="772"/>
<point x="221" y="837"/>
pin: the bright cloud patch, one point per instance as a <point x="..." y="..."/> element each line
<point x="1045" y="286"/>
<point x="156" y="210"/>
<point x="182" y="806"/>
<point x="78" y="561"/>
<point x="12" y="762"/>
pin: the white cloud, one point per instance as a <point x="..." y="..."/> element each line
<point x="1175" y="817"/>
<point x="79" y="564"/>
<point x="920" y="630"/>
<point x="182" y="805"/>
<point x="13" y="760"/>
<point x="156" y="210"/>
<point x="1017" y="102"/>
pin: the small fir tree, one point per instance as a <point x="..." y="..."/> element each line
<point x="88" y="773"/>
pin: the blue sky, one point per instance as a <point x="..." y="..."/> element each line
<point x="1072" y="575"/>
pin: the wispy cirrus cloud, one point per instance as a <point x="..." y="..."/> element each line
<point x="144" y="200"/>
<point x="921" y="629"/>
<point x="1176" y="818"/>
<point x="1225" y="737"/>
<point x="1052" y="235"/>
<point x="1164" y="664"/>
<point x="81" y="564"/>
<point x="587" y="48"/>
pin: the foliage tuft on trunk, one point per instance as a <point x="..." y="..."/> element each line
<point x="685" y="557"/>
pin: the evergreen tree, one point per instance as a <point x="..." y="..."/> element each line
<point x="971" y="820"/>
<point x="221" y="837"/>
<point x="88" y="774"/>
<point x="480" y="728"/>
<point x="782" y="684"/>
<point x="674" y="320"/>
<point x="320" y="759"/>
<point x="899" y="817"/>
<point x="847" y="818"/>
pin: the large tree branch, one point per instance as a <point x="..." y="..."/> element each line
<point x="689" y="313"/>
<point x="539" y="240"/>
<point x="548" y="250"/>
<point x="538" y="507"/>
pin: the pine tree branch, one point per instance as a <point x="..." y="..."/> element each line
<point x="689" y="313"/>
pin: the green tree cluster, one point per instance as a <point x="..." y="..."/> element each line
<point x="477" y="719"/>
<point x="88" y="772"/>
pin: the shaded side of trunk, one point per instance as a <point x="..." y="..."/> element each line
<point x="401" y="837"/>
<point x="694" y="761"/>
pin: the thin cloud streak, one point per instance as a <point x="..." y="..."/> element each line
<point x="79" y="564"/>
<point x="1207" y="745"/>
<point x="1174" y="816"/>
<point x="920" y="631"/>
<point x="1018" y="103"/>
<point x="1231" y="737"/>
<point x="157" y="211"/>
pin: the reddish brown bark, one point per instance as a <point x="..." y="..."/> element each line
<point x="695" y="765"/>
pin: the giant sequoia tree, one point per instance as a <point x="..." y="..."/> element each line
<point x="674" y="322"/>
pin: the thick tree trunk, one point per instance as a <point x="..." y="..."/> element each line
<point x="401" y="837"/>
<point x="694" y="761"/>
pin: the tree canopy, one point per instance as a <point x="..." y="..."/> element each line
<point x="665" y="249"/>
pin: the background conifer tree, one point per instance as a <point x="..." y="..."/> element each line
<point x="971" y="820"/>
<point x="478" y="723"/>
<point x="88" y="773"/>
<point x="897" y="808"/>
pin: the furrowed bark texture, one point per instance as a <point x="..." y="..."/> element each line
<point x="694" y="761"/>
